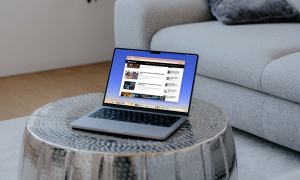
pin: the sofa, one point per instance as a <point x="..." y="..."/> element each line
<point x="250" y="71"/>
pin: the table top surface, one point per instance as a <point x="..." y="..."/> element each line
<point x="51" y="124"/>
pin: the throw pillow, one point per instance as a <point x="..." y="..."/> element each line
<point x="295" y="4"/>
<point x="252" y="11"/>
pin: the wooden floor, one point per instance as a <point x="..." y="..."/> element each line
<point x="21" y="95"/>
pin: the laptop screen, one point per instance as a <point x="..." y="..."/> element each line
<point x="151" y="80"/>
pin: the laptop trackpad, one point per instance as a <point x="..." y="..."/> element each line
<point x="104" y="125"/>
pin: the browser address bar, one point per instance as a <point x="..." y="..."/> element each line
<point x="158" y="60"/>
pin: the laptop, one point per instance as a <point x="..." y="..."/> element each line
<point x="148" y="94"/>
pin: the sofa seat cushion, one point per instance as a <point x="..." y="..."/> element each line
<point x="236" y="54"/>
<point x="281" y="77"/>
<point x="264" y="115"/>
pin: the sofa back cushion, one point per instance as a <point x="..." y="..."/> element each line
<point x="253" y="11"/>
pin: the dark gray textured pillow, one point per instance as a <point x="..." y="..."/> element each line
<point x="252" y="11"/>
<point x="296" y="5"/>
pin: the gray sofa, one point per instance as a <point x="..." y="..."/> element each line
<point x="251" y="71"/>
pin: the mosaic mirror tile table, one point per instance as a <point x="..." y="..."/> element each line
<point x="202" y="149"/>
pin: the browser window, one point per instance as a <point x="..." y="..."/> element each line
<point x="152" y="78"/>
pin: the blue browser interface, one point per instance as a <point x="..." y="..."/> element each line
<point x="161" y="81"/>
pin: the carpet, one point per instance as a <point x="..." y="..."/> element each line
<point x="11" y="132"/>
<point x="257" y="159"/>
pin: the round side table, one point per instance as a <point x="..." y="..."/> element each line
<point x="201" y="149"/>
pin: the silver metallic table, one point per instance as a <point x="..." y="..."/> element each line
<point x="202" y="149"/>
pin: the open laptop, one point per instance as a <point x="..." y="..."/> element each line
<point x="148" y="94"/>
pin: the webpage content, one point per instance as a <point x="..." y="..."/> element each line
<point x="152" y="78"/>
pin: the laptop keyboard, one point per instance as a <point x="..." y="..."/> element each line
<point x="135" y="117"/>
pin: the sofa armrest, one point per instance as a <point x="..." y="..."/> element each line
<point x="136" y="21"/>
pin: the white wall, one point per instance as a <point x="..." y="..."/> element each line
<point x="38" y="35"/>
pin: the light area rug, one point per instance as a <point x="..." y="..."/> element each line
<point x="11" y="133"/>
<point x="257" y="158"/>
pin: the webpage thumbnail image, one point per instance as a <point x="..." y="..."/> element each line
<point x="152" y="78"/>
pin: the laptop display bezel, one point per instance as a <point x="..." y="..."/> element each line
<point x="150" y="109"/>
